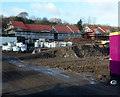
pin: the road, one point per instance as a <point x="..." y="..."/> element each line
<point x="24" y="79"/>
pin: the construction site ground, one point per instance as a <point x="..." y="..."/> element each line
<point x="82" y="67"/>
<point x="85" y="58"/>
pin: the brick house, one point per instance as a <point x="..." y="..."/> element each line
<point x="62" y="32"/>
<point x="100" y="33"/>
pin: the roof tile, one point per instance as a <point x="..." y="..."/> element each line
<point x="37" y="27"/>
<point x="104" y="29"/>
<point x="18" y="24"/>
<point x="93" y="28"/>
<point x="73" y="28"/>
<point x="63" y="29"/>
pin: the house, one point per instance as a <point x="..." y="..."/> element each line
<point x="36" y="31"/>
<point x="62" y="32"/>
<point x="29" y="31"/>
<point x="104" y="29"/>
<point x="103" y="33"/>
<point x="75" y="30"/>
<point x="100" y="33"/>
<point x="89" y="31"/>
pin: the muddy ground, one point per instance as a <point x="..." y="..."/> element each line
<point x="31" y="80"/>
<point x="82" y="57"/>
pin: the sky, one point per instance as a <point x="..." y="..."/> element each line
<point x="71" y="11"/>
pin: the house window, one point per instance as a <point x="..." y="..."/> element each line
<point x="97" y="32"/>
<point x="59" y="34"/>
<point x="28" y="33"/>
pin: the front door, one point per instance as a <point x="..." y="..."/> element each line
<point x="55" y="35"/>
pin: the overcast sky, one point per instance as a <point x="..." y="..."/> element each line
<point x="92" y="11"/>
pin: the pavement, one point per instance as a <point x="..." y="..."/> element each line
<point x="23" y="79"/>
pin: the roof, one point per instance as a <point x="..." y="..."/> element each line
<point x="37" y="27"/>
<point x="73" y="28"/>
<point x="18" y="24"/>
<point x="44" y="28"/>
<point x="104" y="29"/>
<point x="93" y="28"/>
<point x="101" y="30"/>
<point x="63" y="29"/>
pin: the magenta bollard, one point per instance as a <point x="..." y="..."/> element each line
<point x="115" y="58"/>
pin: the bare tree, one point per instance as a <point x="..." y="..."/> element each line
<point x="94" y="20"/>
<point x="89" y="20"/>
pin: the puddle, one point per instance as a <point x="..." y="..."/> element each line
<point x="53" y="71"/>
<point x="41" y="69"/>
<point x="50" y="71"/>
<point x="93" y="82"/>
<point x="89" y="77"/>
<point x="17" y="63"/>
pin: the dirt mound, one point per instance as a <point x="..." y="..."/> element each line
<point x="90" y="50"/>
<point x="78" y="51"/>
<point x="63" y="52"/>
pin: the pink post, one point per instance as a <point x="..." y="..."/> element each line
<point x="115" y="53"/>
